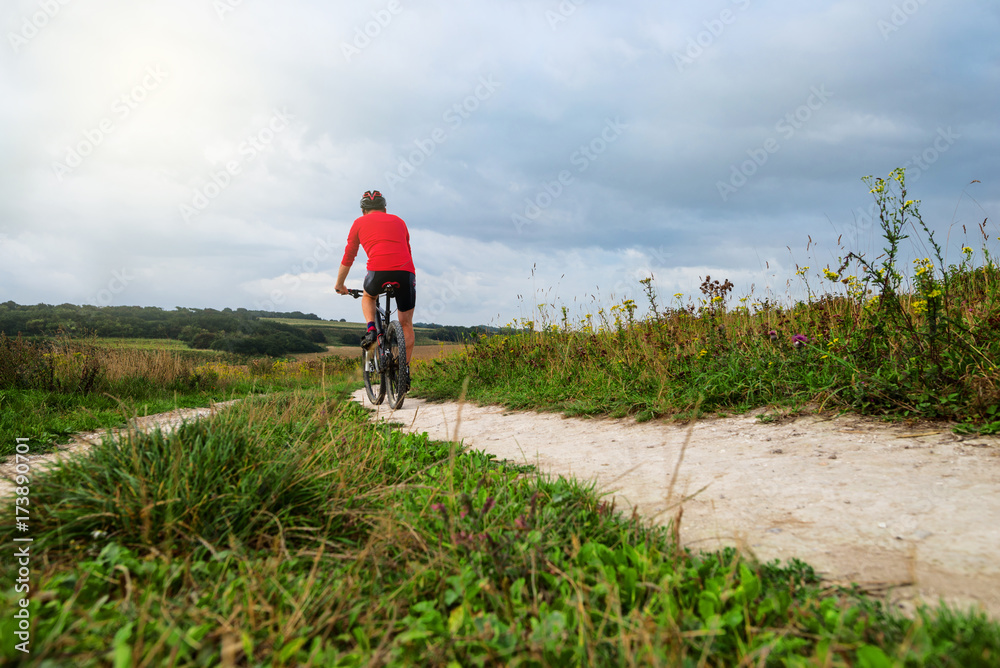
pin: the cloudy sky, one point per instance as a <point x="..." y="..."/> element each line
<point x="211" y="153"/>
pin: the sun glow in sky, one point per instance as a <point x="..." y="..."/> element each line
<point x="211" y="153"/>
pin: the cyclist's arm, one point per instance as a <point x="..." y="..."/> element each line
<point x="341" y="277"/>
<point x="353" y="243"/>
<point x="350" y="252"/>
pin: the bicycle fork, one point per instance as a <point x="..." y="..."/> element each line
<point x="375" y="358"/>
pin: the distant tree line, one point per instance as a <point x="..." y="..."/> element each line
<point x="239" y="331"/>
<point x="455" y="333"/>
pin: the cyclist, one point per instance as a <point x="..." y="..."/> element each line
<point x="386" y="241"/>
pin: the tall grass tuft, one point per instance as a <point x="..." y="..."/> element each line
<point x="208" y="483"/>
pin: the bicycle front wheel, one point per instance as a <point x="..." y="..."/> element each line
<point x="374" y="378"/>
<point x="397" y="372"/>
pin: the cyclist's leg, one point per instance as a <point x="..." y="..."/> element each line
<point x="406" y="320"/>
<point x="372" y="291"/>
<point x="368" y="307"/>
<point x="406" y="299"/>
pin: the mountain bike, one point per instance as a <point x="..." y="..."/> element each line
<point x="383" y="365"/>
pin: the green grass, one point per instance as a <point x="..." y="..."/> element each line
<point x="148" y="344"/>
<point x="49" y="418"/>
<point x="334" y="329"/>
<point x="290" y="531"/>
<point x="174" y="346"/>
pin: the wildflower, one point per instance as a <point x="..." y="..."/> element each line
<point x="933" y="294"/>
<point x="919" y="306"/>
<point x="831" y="275"/>
<point x="773" y="334"/>
<point x="702" y="353"/>
<point x="678" y="294"/>
<point x="800" y="340"/>
<point x="966" y="250"/>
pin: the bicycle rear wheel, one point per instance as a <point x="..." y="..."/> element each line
<point x="397" y="372"/>
<point x="374" y="380"/>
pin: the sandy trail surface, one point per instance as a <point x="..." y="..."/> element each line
<point x="82" y="442"/>
<point x="911" y="512"/>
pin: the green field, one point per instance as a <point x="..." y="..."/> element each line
<point x="51" y="389"/>
<point x="148" y="344"/>
<point x="335" y="329"/>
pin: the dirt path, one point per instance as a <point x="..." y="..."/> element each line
<point x="82" y="442"/>
<point x="912" y="512"/>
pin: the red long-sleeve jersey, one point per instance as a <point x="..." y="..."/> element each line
<point x="386" y="242"/>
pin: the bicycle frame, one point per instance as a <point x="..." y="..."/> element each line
<point x="383" y="315"/>
<point x="391" y="367"/>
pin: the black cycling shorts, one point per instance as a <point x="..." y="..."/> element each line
<point x="406" y="294"/>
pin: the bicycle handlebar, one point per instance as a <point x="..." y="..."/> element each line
<point x="355" y="293"/>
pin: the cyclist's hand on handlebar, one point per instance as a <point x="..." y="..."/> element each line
<point x="341" y="289"/>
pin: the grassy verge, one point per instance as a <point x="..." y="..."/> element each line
<point x="50" y="389"/>
<point x="922" y="341"/>
<point x="289" y="531"/>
